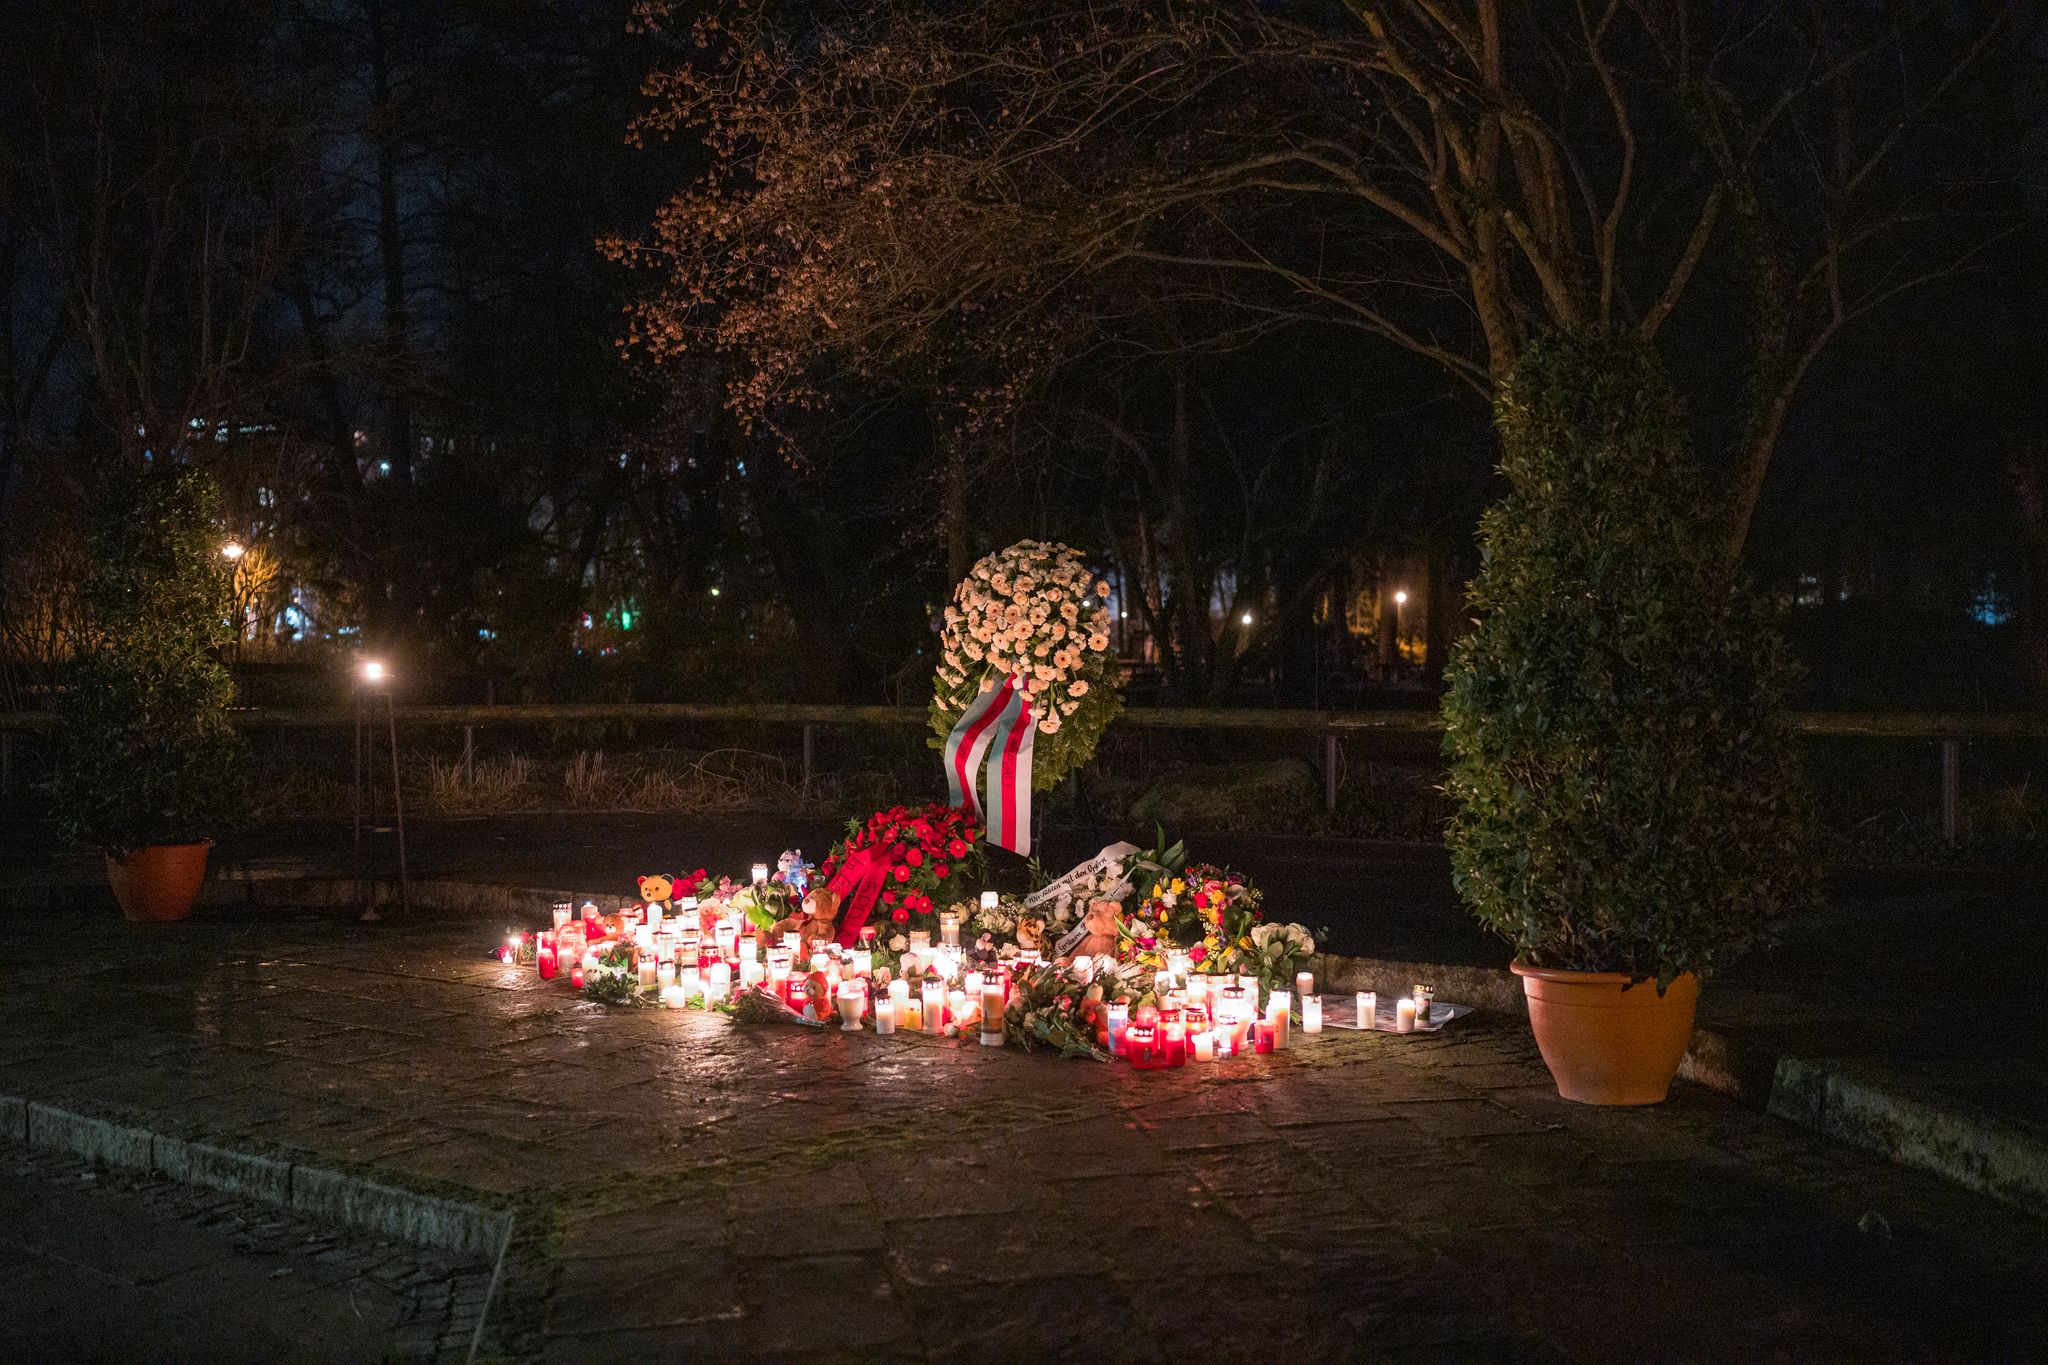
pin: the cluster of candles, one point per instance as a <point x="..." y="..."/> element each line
<point x="1206" y="1018"/>
<point x="692" y="955"/>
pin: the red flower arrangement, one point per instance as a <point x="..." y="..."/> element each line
<point x="922" y="847"/>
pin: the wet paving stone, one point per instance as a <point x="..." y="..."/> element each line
<point x="692" y="1189"/>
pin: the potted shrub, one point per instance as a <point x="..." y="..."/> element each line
<point x="1627" y="805"/>
<point x="150" y="762"/>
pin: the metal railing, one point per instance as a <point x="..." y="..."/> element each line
<point x="1948" y="730"/>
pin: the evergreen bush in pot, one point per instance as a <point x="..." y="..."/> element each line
<point x="1628" y="808"/>
<point x="150" y="761"/>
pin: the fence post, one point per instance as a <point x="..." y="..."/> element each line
<point x="809" y="731"/>
<point x="469" y="756"/>
<point x="1951" y="787"/>
<point x="1330" y="774"/>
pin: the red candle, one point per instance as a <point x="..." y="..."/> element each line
<point x="576" y="976"/>
<point x="1141" y="1046"/>
<point x="545" y="958"/>
<point x="1263" y="1034"/>
<point x="1174" y="1043"/>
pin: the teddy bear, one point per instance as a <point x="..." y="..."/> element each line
<point x="656" y="887"/>
<point x="791" y="866"/>
<point x="1101" y="923"/>
<point x="816" y="923"/>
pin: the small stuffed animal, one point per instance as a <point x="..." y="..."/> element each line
<point x="817" y="996"/>
<point x="1100" y="921"/>
<point x="791" y="866"/>
<point x="657" y="886"/>
<point x="1030" y="933"/>
<point x="820" y="925"/>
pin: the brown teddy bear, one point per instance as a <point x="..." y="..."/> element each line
<point x="657" y="887"/>
<point x="820" y="921"/>
<point x="1101" y="922"/>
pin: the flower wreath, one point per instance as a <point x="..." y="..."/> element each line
<point x="1034" y="612"/>
<point x="926" y="851"/>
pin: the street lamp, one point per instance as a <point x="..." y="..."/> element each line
<point x="374" y="678"/>
<point x="231" y="551"/>
<point x="1246" y="618"/>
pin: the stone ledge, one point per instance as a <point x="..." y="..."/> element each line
<point x="473" y="1230"/>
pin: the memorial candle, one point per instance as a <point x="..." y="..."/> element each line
<point x="1262" y="1036"/>
<point x="1280" y="1013"/>
<point x="1368" y="1010"/>
<point x="650" y="977"/>
<point x="992" y="1012"/>
<point x="863" y="962"/>
<point x="654" y="916"/>
<point x="718" y="983"/>
<point x="949" y="929"/>
<point x="1404" y="1015"/>
<point x="934" y="1005"/>
<point x="760" y="874"/>
<point x="1311" y="1014"/>
<point x="990" y="900"/>
<point x="1119" y="1020"/>
<point x="956" y="1008"/>
<point x="690" y="979"/>
<point x="562" y="911"/>
<point x="1174" y="1042"/>
<point x="899" y="991"/>
<point x="1205" y="1046"/>
<point x="885" y="1014"/>
<point x="665" y="972"/>
<point x="852" y="1002"/>
<point x="1304" y="982"/>
<point x="672" y="997"/>
<point x="576" y="977"/>
<point x="751" y="973"/>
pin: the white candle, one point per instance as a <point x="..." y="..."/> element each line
<point x="1304" y="982"/>
<point x="690" y="979"/>
<point x="1280" y="1012"/>
<point x="971" y="983"/>
<point x="899" y="992"/>
<point x="1205" y="1046"/>
<point x="1404" y="1015"/>
<point x="885" y="1015"/>
<point x="956" y="1005"/>
<point x="654" y="916"/>
<point x="863" y="962"/>
<point x="752" y="973"/>
<point x="990" y="900"/>
<point x="562" y="911"/>
<point x="934" y="999"/>
<point x="665" y="973"/>
<point x="992" y="999"/>
<point x="852" y="1001"/>
<point x="1368" y="1010"/>
<point x="760" y="873"/>
<point x="949" y="929"/>
<point x="718" y="983"/>
<point x="1311" y="1014"/>
<point x="672" y="997"/>
<point x="649" y="978"/>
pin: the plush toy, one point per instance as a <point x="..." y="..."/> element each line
<point x="657" y="886"/>
<point x="1100" y="921"/>
<point x="1030" y="933"/>
<point x="821" y="918"/>
<point x="817" y="996"/>
<point x="791" y="866"/>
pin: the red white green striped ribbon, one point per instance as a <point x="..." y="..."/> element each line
<point x="997" y="726"/>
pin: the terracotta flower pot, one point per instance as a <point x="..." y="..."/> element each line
<point x="159" y="884"/>
<point x="1604" y="1044"/>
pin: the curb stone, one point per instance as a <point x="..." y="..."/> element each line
<point x="453" y="1225"/>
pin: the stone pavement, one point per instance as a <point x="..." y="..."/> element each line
<point x="684" y="1188"/>
<point x="107" y="1265"/>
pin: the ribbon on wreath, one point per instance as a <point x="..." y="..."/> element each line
<point x="997" y="727"/>
<point x="858" y="884"/>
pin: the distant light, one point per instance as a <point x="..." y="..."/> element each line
<point x="714" y="592"/>
<point x="1401" y="597"/>
<point x="1246" y="618"/>
<point x="1123" y="616"/>
<point x="373" y="670"/>
<point x="231" y="551"/>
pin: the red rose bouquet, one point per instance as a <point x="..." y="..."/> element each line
<point x="910" y="859"/>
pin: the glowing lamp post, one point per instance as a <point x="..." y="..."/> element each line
<point x="373" y="677"/>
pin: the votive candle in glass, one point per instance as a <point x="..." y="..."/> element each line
<point x="899" y="991"/>
<point x="990" y="900"/>
<point x="1304" y="982"/>
<point x="562" y="910"/>
<point x="751" y="973"/>
<point x="1404" y="1015"/>
<point x="1204" y="1044"/>
<point x="589" y="911"/>
<point x="1311" y="1014"/>
<point x="650" y="977"/>
<point x="885" y="1014"/>
<point x="576" y="977"/>
<point x="992" y="1011"/>
<point x="863" y="961"/>
<point x="760" y="873"/>
<point x="852" y="1002"/>
<point x="1119" y="1021"/>
<point x="1139" y="1046"/>
<point x="1263" y="1036"/>
<point x="665" y="972"/>
<point x="949" y="929"/>
<point x="1173" y="1041"/>
<point x="1368" y="1010"/>
<point x="778" y="966"/>
<point x="690" y="979"/>
<point x="750" y="948"/>
<point x="672" y="997"/>
<point x="1280" y="1010"/>
<point x="934" y="1005"/>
